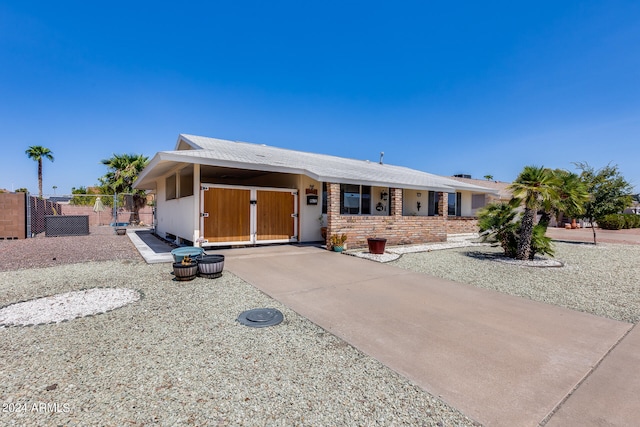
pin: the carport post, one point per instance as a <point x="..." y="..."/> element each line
<point x="197" y="209"/>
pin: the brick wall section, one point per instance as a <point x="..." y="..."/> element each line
<point x="462" y="225"/>
<point x="13" y="208"/>
<point x="397" y="229"/>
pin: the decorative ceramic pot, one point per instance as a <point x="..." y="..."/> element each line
<point x="376" y="245"/>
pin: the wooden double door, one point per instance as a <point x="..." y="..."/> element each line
<point x="249" y="215"/>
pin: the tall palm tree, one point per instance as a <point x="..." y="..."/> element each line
<point x="37" y="153"/>
<point x="534" y="187"/>
<point x="123" y="170"/>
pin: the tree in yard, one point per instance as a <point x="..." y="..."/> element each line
<point x="609" y="192"/>
<point x="534" y="187"/>
<point x="123" y="170"/>
<point x="572" y="195"/>
<point x="37" y="153"/>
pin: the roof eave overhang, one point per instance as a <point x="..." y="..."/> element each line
<point x="147" y="178"/>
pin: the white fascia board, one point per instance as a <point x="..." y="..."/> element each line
<point x="384" y="184"/>
<point x="476" y="189"/>
<point x="142" y="175"/>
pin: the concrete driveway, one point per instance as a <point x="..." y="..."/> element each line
<point x="502" y="360"/>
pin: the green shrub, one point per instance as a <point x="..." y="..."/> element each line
<point x="619" y="221"/>
<point x="611" y="222"/>
<point x="631" y="221"/>
<point x="540" y="243"/>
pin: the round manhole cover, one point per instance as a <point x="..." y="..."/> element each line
<point x="260" y="317"/>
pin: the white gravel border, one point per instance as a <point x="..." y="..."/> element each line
<point x="66" y="306"/>
<point x="453" y="241"/>
<point x="394" y="252"/>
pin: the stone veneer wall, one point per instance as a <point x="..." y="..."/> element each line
<point x="396" y="228"/>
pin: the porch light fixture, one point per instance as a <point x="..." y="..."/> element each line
<point x="384" y="195"/>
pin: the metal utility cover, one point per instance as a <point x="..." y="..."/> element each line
<point x="260" y="317"/>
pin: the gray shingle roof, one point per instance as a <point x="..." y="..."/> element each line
<point x="321" y="167"/>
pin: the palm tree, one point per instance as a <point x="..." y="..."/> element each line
<point x="488" y="177"/>
<point x="572" y="195"/>
<point x="123" y="171"/>
<point x="36" y="153"/>
<point x="534" y="187"/>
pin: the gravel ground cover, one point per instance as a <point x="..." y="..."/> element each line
<point x="601" y="279"/>
<point x="177" y="356"/>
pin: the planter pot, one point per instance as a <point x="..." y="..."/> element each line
<point x="121" y="231"/>
<point x="180" y="253"/>
<point x="338" y="248"/>
<point x="184" y="272"/>
<point x="210" y="266"/>
<point x="376" y="245"/>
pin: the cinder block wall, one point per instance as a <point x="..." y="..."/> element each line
<point x="13" y="208"/>
<point x="397" y="229"/>
<point x="106" y="216"/>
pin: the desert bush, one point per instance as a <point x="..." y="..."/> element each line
<point x="619" y="221"/>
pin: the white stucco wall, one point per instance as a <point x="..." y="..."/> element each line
<point x="309" y="214"/>
<point x="410" y="203"/>
<point x="465" y="209"/>
<point x="174" y="216"/>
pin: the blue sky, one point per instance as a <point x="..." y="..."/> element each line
<point x="444" y="87"/>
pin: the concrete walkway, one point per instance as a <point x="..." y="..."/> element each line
<point x="501" y="360"/>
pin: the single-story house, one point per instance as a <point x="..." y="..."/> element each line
<point x="214" y="192"/>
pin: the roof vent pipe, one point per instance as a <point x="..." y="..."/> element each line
<point x="381" y="156"/>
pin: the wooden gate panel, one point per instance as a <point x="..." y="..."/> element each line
<point x="275" y="219"/>
<point x="229" y="217"/>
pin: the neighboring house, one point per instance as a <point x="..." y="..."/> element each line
<point x="500" y="188"/>
<point x="215" y="192"/>
<point x="633" y="209"/>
